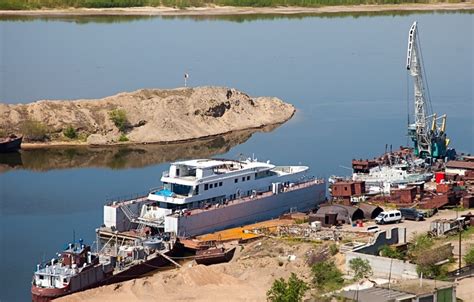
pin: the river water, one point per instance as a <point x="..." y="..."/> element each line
<point x="344" y="73"/>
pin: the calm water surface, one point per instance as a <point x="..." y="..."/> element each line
<point x="345" y="75"/>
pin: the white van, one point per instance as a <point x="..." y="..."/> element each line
<point x="388" y="217"/>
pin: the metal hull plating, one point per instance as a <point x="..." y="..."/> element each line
<point x="47" y="294"/>
<point x="254" y="210"/>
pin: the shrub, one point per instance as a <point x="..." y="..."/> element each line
<point x="326" y="276"/>
<point x="333" y="249"/>
<point x="123" y="138"/>
<point x="360" y="267"/>
<point x="34" y="130"/>
<point x="420" y="244"/>
<point x="469" y="257"/>
<point x="390" y="252"/>
<point x="70" y="132"/>
<point x="119" y="118"/>
<point x="292" y="290"/>
<point x="432" y="271"/>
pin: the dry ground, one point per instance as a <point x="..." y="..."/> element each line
<point x="246" y="278"/>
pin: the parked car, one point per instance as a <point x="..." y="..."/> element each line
<point x="388" y="217"/>
<point x="373" y="229"/>
<point x="429" y="212"/>
<point x="411" y="214"/>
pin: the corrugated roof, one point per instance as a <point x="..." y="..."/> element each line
<point x="376" y="294"/>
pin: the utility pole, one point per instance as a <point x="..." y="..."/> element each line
<point x="186" y="76"/>
<point x="460" y="232"/>
<point x="459" y="243"/>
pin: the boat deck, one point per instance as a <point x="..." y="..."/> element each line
<point x="245" y="232"/>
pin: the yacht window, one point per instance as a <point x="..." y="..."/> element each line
<point x="41" y="277"/>
<point x="220" y="184"/>
<point x="265" y="173"/>
<point x="196" y="190"/>
<point x="236" y="180"/>
<point x="167" y="186"/>
<point x="248" y="177"/>
<point x="243" y="178"/>
<point x="177" y="172"/>
<point x="182" y="189"/>
<point x="210" y="186"/>
<point x="206" y="186"/>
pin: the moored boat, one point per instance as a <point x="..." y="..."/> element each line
<point x="11" y="143"/>
<point x="207" y="195"/>
<point x="214" y="255"/>
<point x="78" y="268"/>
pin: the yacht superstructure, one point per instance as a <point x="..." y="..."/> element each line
<point x="204" y="184"/>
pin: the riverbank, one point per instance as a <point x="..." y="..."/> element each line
<point x="160" y="116"/>
<point x="45" y="158"/>
<point x="232" y="10"/>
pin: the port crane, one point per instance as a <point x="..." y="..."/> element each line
<point x="428" y="132"/>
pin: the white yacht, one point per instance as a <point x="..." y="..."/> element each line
<point x="381" y="178"/>
<point x="205" y="195"/>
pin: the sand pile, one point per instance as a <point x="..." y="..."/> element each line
<point x="154" y="116"/>
<point x="246" y="278"/>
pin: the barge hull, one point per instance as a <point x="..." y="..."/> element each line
<point x="242" y="213"/>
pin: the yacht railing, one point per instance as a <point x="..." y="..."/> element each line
<point x="128" y="197"/>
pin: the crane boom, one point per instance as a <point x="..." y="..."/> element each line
<point x="420" y="127"/>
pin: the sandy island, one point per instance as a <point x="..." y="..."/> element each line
<point x="230" y="10"/>
<point x="152" y="116"/>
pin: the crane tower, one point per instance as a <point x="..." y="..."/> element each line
<point x="428" y="131"/>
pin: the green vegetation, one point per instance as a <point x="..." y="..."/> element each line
<point x="360" y="267"/>
<point x="427" y="256"/>
<point x="292" y="290"/>
<point x="34" y="130"/>
<point x="123" y="138"/>
<point x="326" y="276"/>
<point x="37" y="4"/>
<point x="465" y="234"/>
<point x="333" y="249"/>
<point x="419" y="245"/>
<point x="70" y="132"/>
<point x="391" y="252"/>
<point x="119" y="118"/>
<point x="469" y="257"/>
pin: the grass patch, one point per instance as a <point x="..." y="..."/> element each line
<point x="123" y="138"/>
<point x="465" y="234"/>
